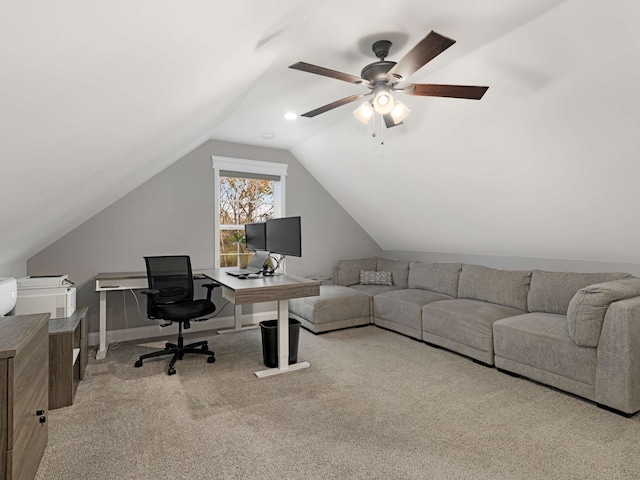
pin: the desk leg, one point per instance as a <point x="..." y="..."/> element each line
<point x="283" y="345"/>
<point x="102" y="352"/>
<point x="237" y="322"/>
<point x="283" y="335"/>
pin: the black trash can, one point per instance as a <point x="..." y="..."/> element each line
<point x="269" y="330"/>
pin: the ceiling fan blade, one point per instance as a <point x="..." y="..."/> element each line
<point x="345" y="77"/>
<point x="331" y="106"/>
<point x="389" y="122"/>
<point x="452" y="91"/>
<point x="426" y="50"/>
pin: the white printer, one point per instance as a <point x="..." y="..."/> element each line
<point x="52" y="294"/>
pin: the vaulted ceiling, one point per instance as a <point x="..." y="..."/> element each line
<point x="97" y="97"/>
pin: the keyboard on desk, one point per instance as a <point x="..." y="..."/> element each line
<point x="243" y="271"/>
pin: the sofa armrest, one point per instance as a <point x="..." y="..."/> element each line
<point x="618" y="360"/>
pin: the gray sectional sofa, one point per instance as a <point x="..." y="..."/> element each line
<point x="578" y="332"/>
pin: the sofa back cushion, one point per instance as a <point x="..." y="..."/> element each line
<point x="399" y="270"/>
<point x="504" y="287"/>
<point x="586" y="311"/>
<point x="347" y="272"/>
<point x="551" y="292"/>
<point x="435" y="277"/>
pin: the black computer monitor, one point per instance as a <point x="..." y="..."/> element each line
<point x="255" y="236"/>
<point x="284" y="236"/>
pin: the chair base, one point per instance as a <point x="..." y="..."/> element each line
<point x="178" y="350"/>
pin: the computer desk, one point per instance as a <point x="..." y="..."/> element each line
<point x="278" y="288"/>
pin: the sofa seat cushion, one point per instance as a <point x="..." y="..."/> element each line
<point x="464" y="322"/>
<point x="335" y="303"/>
<point x="372" y="290"/>
<point x="541" y="340"/>
<point x="401" y="310"/>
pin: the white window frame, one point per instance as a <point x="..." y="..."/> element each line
<point x="243" y="165"/>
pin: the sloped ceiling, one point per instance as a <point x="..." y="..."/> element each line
<point x="98" y="97"/>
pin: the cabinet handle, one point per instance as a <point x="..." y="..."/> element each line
<point x="40" y="412"/>
<point x="43" y="419"/>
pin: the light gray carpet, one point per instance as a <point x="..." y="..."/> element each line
<point x="373" y="405"/>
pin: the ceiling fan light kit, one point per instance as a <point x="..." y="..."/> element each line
<point x="382" y="100"/>
<point x="364" y="112"/>
<point x="382" y="78"/>
<point x="399" y="112"/>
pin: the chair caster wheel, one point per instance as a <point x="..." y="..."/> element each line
<point x="167" y="346"/>
<point x="211" y="360"/>
<point x="138" y="364"/>
<point x="172" y="371"/>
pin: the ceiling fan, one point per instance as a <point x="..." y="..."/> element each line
<point x="382" y="78"/>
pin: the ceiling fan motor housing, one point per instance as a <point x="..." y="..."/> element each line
<point x="377" y="72"/>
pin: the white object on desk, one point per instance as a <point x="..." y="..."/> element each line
<point x="44" y="281"/>
<point x="57" y="302"/>
<point x="8" y="295"/>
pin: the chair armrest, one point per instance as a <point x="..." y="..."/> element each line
<point x="150" y="291"/>
<point x="210" y="287"/>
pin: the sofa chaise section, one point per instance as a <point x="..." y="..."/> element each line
<point x="349" y="303"/>
<point x="336" y="307"/>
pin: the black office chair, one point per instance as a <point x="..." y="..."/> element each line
<point x="170" y="297"/>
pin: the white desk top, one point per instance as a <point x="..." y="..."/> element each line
<point x="263" y="289"/>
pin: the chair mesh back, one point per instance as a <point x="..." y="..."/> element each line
<point x="172" y="276"/>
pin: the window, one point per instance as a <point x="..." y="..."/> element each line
<point x="246" y="191"/>
<point x="242" y="200"/>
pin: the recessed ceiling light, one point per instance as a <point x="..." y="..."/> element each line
<point x="290" y="116"/>
<point x="268" y="136"/>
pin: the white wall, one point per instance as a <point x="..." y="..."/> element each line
<point x="172" y="213"/>
<point x="544" y="166"/>
<point x="14" y="269"/>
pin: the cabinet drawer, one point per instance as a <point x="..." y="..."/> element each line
<point x="30" y="379"/>
<point x="30" y="443"/>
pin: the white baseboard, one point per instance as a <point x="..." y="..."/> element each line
<point x="127" y="334"/>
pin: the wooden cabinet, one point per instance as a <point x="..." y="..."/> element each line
<point x="24" y="394"/>
<point x="68" y="356"/>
